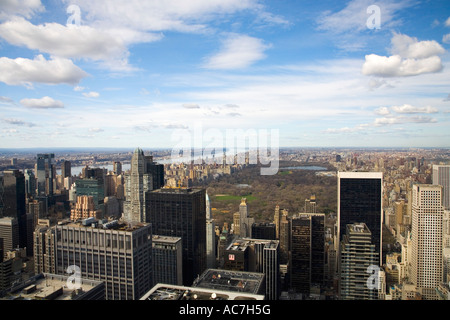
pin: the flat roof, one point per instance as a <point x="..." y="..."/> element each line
<point x="360" y="175"/>
<point x="49" y="287"/>
<point x="163" y="291"/>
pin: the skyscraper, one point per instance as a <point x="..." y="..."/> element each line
<point x="427" y="236"/>
<point x="441" y="176"/>
<point x="243" y="223"/>
<point x="307" y="262"/>
<point x="145" y="175"/>
<point x="116" y="253"/>
<point x="360" y="201"/>
<point x="45" y="174"/>
<point x="210" y="236"/>
<point x="357" y="256"/>
<point x="14" y="204"/>
<point x="180" y="212"/>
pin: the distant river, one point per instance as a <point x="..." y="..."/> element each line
<point x="125" y="166"/>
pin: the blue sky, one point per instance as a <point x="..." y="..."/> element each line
<point x="131" y="73"/>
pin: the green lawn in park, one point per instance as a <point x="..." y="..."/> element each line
<point x="231" y="198"/>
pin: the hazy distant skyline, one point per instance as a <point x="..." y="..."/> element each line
<point x="123" y="74"/>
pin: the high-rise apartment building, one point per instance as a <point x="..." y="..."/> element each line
<point x="307" y="259"/>
<point x="84" y="208"/>
<point x="145" y="175"/>
<point x="441" y="176"/>
<point x="180" y="212"/>
<point x="360" y="201"/>
<point x="358" y="264"/>
<point x="426" y="271"/>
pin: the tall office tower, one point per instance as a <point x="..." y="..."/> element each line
<point x="307" y="262"/>
<point x="167" y="260"/>
<point x="276" y="221"/>
<point x="358" y="255"/>
<point x="245" y="222"/>
<point x="285" y="237"/>
<point x="310" y="204"/>
<point x="66" y="169"/>
<point x="9" y="233"/>
<point x="441" y="176"/>
<point x="116" y="253"/>
<point x="145" y="175"/>
<point x="2" y="192"/>
<point x="45" y="174"/>
<point x="256" y="255"/>
<point x="426" y="233"/>
<point x="360" y="200"/>
<point x="180" y="212"/>
<point x="30" y="183"/>
<point x="210" y="237"/>
<point x="264" y="230"/>
<point x="94" y="187"/>
<point x="117" y="167"/>
<point x="84" y="208"/>
<point x="14" y="203"/>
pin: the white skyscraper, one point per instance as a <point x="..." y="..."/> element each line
<point x="427" y="248"/>
<point x="145" y="175"/>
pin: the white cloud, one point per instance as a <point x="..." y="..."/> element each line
<point x="382" y="111"/>
<point x="447" y="22"/>
<point x="18" y="122"/>
<point x="403" y="120"/>
<point x="446" y="38"/>
<point x="353" y="17"/>
<point x="165" y="15"/>
<point x="238" y="51"/>
<point x="24" y="8"/>
<point x="71" y="41"/>
<point x="91" y="94"/>
<point x="406" y="108"/>
<point x="410" y="58"/>
<point x="22" y="71"/>
<point x="42" y="103"/>
<point x="410" y="48"/>
<point x="191" y="106"/>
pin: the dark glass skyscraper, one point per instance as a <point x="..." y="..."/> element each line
<point x="180" y="212"/>
<point x="307" y="252"/>
<point x="360" y="201"/>
<point x="45" y="173"/>
<point x="14" y="205"/>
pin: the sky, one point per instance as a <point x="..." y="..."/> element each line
<point x="167" y="73"/>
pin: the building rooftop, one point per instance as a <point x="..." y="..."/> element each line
<point x="173" y="292"/>
<point x="231" y="281"/>
<point x="47" y="286"/>
<point x="108" y="224"/>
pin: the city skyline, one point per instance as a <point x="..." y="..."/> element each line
<point x="126" y="75"/>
